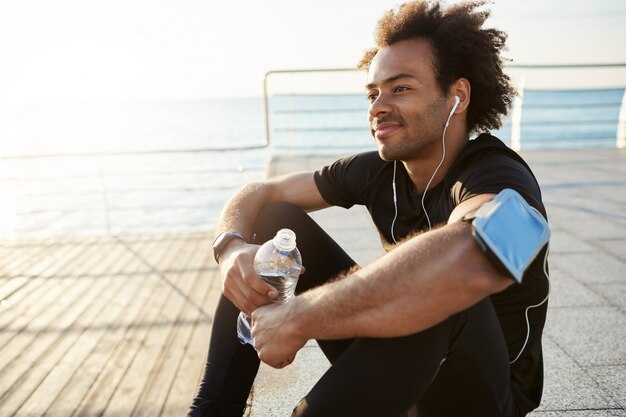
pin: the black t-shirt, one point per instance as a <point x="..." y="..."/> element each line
<point x="484" y="166"/>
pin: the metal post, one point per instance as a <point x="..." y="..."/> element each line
<point x="516" y="118"/>
<point x="621" y="124"/>
<point x="266" y="108"/>
<point x="104" y="193"/>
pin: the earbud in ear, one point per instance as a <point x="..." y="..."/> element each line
<point x="457" y="100"/>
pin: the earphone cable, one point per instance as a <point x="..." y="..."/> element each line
<point x="443" y="157"/>
<point x="395" y="202"/>
<point x="545" y="271"/>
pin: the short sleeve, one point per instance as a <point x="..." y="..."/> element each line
<point x="495" y="172"/>
<point x="345" y="182"/>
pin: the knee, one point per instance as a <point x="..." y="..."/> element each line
<point x="276" y="216"/>
<point x="279" y="211"/>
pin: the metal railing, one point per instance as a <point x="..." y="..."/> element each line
<point x="266" y="96"/>
<point x="517" y="111"/>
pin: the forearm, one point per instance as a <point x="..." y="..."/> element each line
<point x="412" y="288"/>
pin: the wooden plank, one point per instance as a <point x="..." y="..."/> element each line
<point x="11" y="285"/>
<point x="131" y="335"/>
<point x="51" y="357"/>
<point x="142" y="367"/>
<point x="84" y="375"/>
<point x="156" y="390"/>
<point x="193" y="356"/>
<point x="53" y="371"/>
<point x="130" y="265"/>
<point x="13" y="300"/>
<point x="36" y="297"/>
<point x="97" y="251"/>
<point x="21" y="334"/>
<point x="42" y="265"/>
<point x="31" y="345"/>
<point x="38" y="303"/>
<point x="104" y="255"/>
<point x="202" y="333"/>
<point x="51" y="267"/>
<point x="23" y="383"/>
<point x="21" y="256"/>
<point x="58" y="257"/>
<point x="139" y="249"/>
<point x="46" y="375"/>
<point x="114" y="322"/>
<point x="85" y="343"/>
<point x="154" y="261"/>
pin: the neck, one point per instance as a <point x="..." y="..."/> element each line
<point x="421" y="169"/>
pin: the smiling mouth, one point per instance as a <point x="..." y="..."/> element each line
<point x="383" y="130"/>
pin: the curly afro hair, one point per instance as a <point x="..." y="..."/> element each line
<point x="461" y="48"/>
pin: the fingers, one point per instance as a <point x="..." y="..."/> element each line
<point x="241" y="284"/>
<point x="273" y="360"/>
<point x="275" y="343"/>
<point x="246" y="297"/>
<point x="284" y="363"/>
<point x="257" y="285"/>
<point x="246" y="292"/>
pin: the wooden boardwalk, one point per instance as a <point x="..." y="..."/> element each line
<point x="108" y="326"/>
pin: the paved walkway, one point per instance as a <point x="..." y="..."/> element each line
<point x="585" y="335"/>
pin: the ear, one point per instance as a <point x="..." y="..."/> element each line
<point x="462" y="89"/>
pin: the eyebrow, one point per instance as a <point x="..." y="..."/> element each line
<point x="392" y="79"/>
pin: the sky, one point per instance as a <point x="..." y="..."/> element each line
<point x="87" y="50"/>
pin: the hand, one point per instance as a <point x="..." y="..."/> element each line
<point x="241" y="284"/>
<point x="274" y="333"/>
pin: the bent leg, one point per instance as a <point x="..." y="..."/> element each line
<point x="385" y="377"/>
<point x="476" y="373"/>
<point x="231" y="367"/>
<point x="377" y="377"/>
<point x="229" y="371"/>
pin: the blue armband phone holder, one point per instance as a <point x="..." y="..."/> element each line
<point x="510" y="232"/>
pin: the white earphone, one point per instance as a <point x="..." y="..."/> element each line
<point x="457" y="100"/>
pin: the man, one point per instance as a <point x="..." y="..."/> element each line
<point x="433" y="323"/>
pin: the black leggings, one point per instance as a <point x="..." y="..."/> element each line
<point x="456" y="368"/>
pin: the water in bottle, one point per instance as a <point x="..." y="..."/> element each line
<point x="278" y="262"/>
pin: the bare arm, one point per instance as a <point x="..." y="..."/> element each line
<point x="241" y="210"/>
<point x="417" y="285"/>
<point x="241" y="284"/>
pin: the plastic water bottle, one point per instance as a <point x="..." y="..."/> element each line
<point x="278" y="262"/>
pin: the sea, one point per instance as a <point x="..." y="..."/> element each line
<point x="90" y="169"/>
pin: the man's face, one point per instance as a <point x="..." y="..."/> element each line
<point x="407" y="110"/>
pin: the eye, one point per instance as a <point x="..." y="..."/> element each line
<point x="400" y="89"/>
<point x="371" y="97"/>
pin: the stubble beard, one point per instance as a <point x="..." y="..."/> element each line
<point x="421" y="135"/>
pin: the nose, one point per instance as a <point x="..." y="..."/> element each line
<point x="379" y="106"/>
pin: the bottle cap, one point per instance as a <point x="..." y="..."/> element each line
<point x="285" y="239"/>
